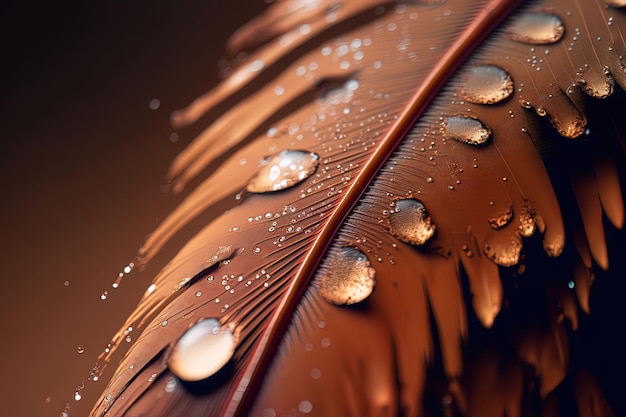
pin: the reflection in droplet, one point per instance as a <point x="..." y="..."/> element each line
<point x="466" y="129"/>
<point x="80" y="349"/>
<point x="284" y="170"/>
<point x="349" y="280"/>
<point x="501" y="219"/>
<point x="536" y="28"/>
<point x="526" y="222"/>
<point x="202" y="351"/>
<point x="485" y="84"/>
<point x="409" y="221"/>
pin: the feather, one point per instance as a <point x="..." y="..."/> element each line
<point x="406" y="181"/>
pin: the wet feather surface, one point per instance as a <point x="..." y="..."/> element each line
<point x="399" y="174"/>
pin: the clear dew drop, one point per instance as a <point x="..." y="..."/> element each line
<point x="350" y="278"/>
<point x="409" y="221"/>
<point x="202" y="351"/>
<point x="466" y="130"/>
<point x="284" y="170"/>
<point x="485" y="84"/>
<point x="536" y="28"/>
<point x="80" y="349"/>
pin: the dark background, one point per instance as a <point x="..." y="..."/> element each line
<point x="82" y="162"/>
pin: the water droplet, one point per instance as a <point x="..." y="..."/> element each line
<point x="154" y="104"/>
<point x="485" y="84"/>
<point x="536" y="28"/>
<point x="466" y="129"/>
<point x="501" y="219"/>
<point x="202" y="351"/>
<point x="504" y="255"/>
<point x="80" y="349"/>
<point x="409" y="221"/>
<point x="349" y="280"/>
<point x="305" y="407"/>
<point x="66" y="283"/>
<point x="170" y="385"/>
<point x="104" y="295"/>
<point x="284" y="170"/>
<point x="526" y="222"/>
<point x="268" y="412"/>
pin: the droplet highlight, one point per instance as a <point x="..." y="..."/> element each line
<point x="466" y="129"/>
<point x="284" y="170"/>
<point x="504" y="255"/>
<point x="536" y="28"/>
<point x="501" y="219"/>
<point x="485" y="84"/>
<point x="202" y="351"/>
<point x="409" y="221"/>
<point x="350" y="278"/>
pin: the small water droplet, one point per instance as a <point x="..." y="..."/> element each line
<point x="316" y="373"/>
<point x="284" y="170"/>
<point x="466" y="129"/>
<point x="305" y="407"/>
<point x="202" y="351"/>
<point x="349" y="280"/>
<point x="536" y="28"/>
<point x="485" y="84"/>
<point x="154" y="104"/>
<point x="80" y="349"/>
<point x="104" y="295"/>
<point x="170" y="385"/>
<point x="409" y="221"/>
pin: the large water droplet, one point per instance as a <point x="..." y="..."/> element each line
<point x="504" y="255"/>
<point x="350" y="278"/>
<point x="485" y="84"/>
<point x="202" y="351"/>
<point x="466" y="129"/>
<point x="409" y="221"/>
<point x="284" y="170"/>
<point x="536" y="28"/>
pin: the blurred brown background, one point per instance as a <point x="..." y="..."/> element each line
<point x="82" y="162"/>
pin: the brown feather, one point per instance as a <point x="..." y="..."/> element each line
<point x="409" y="172"/>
